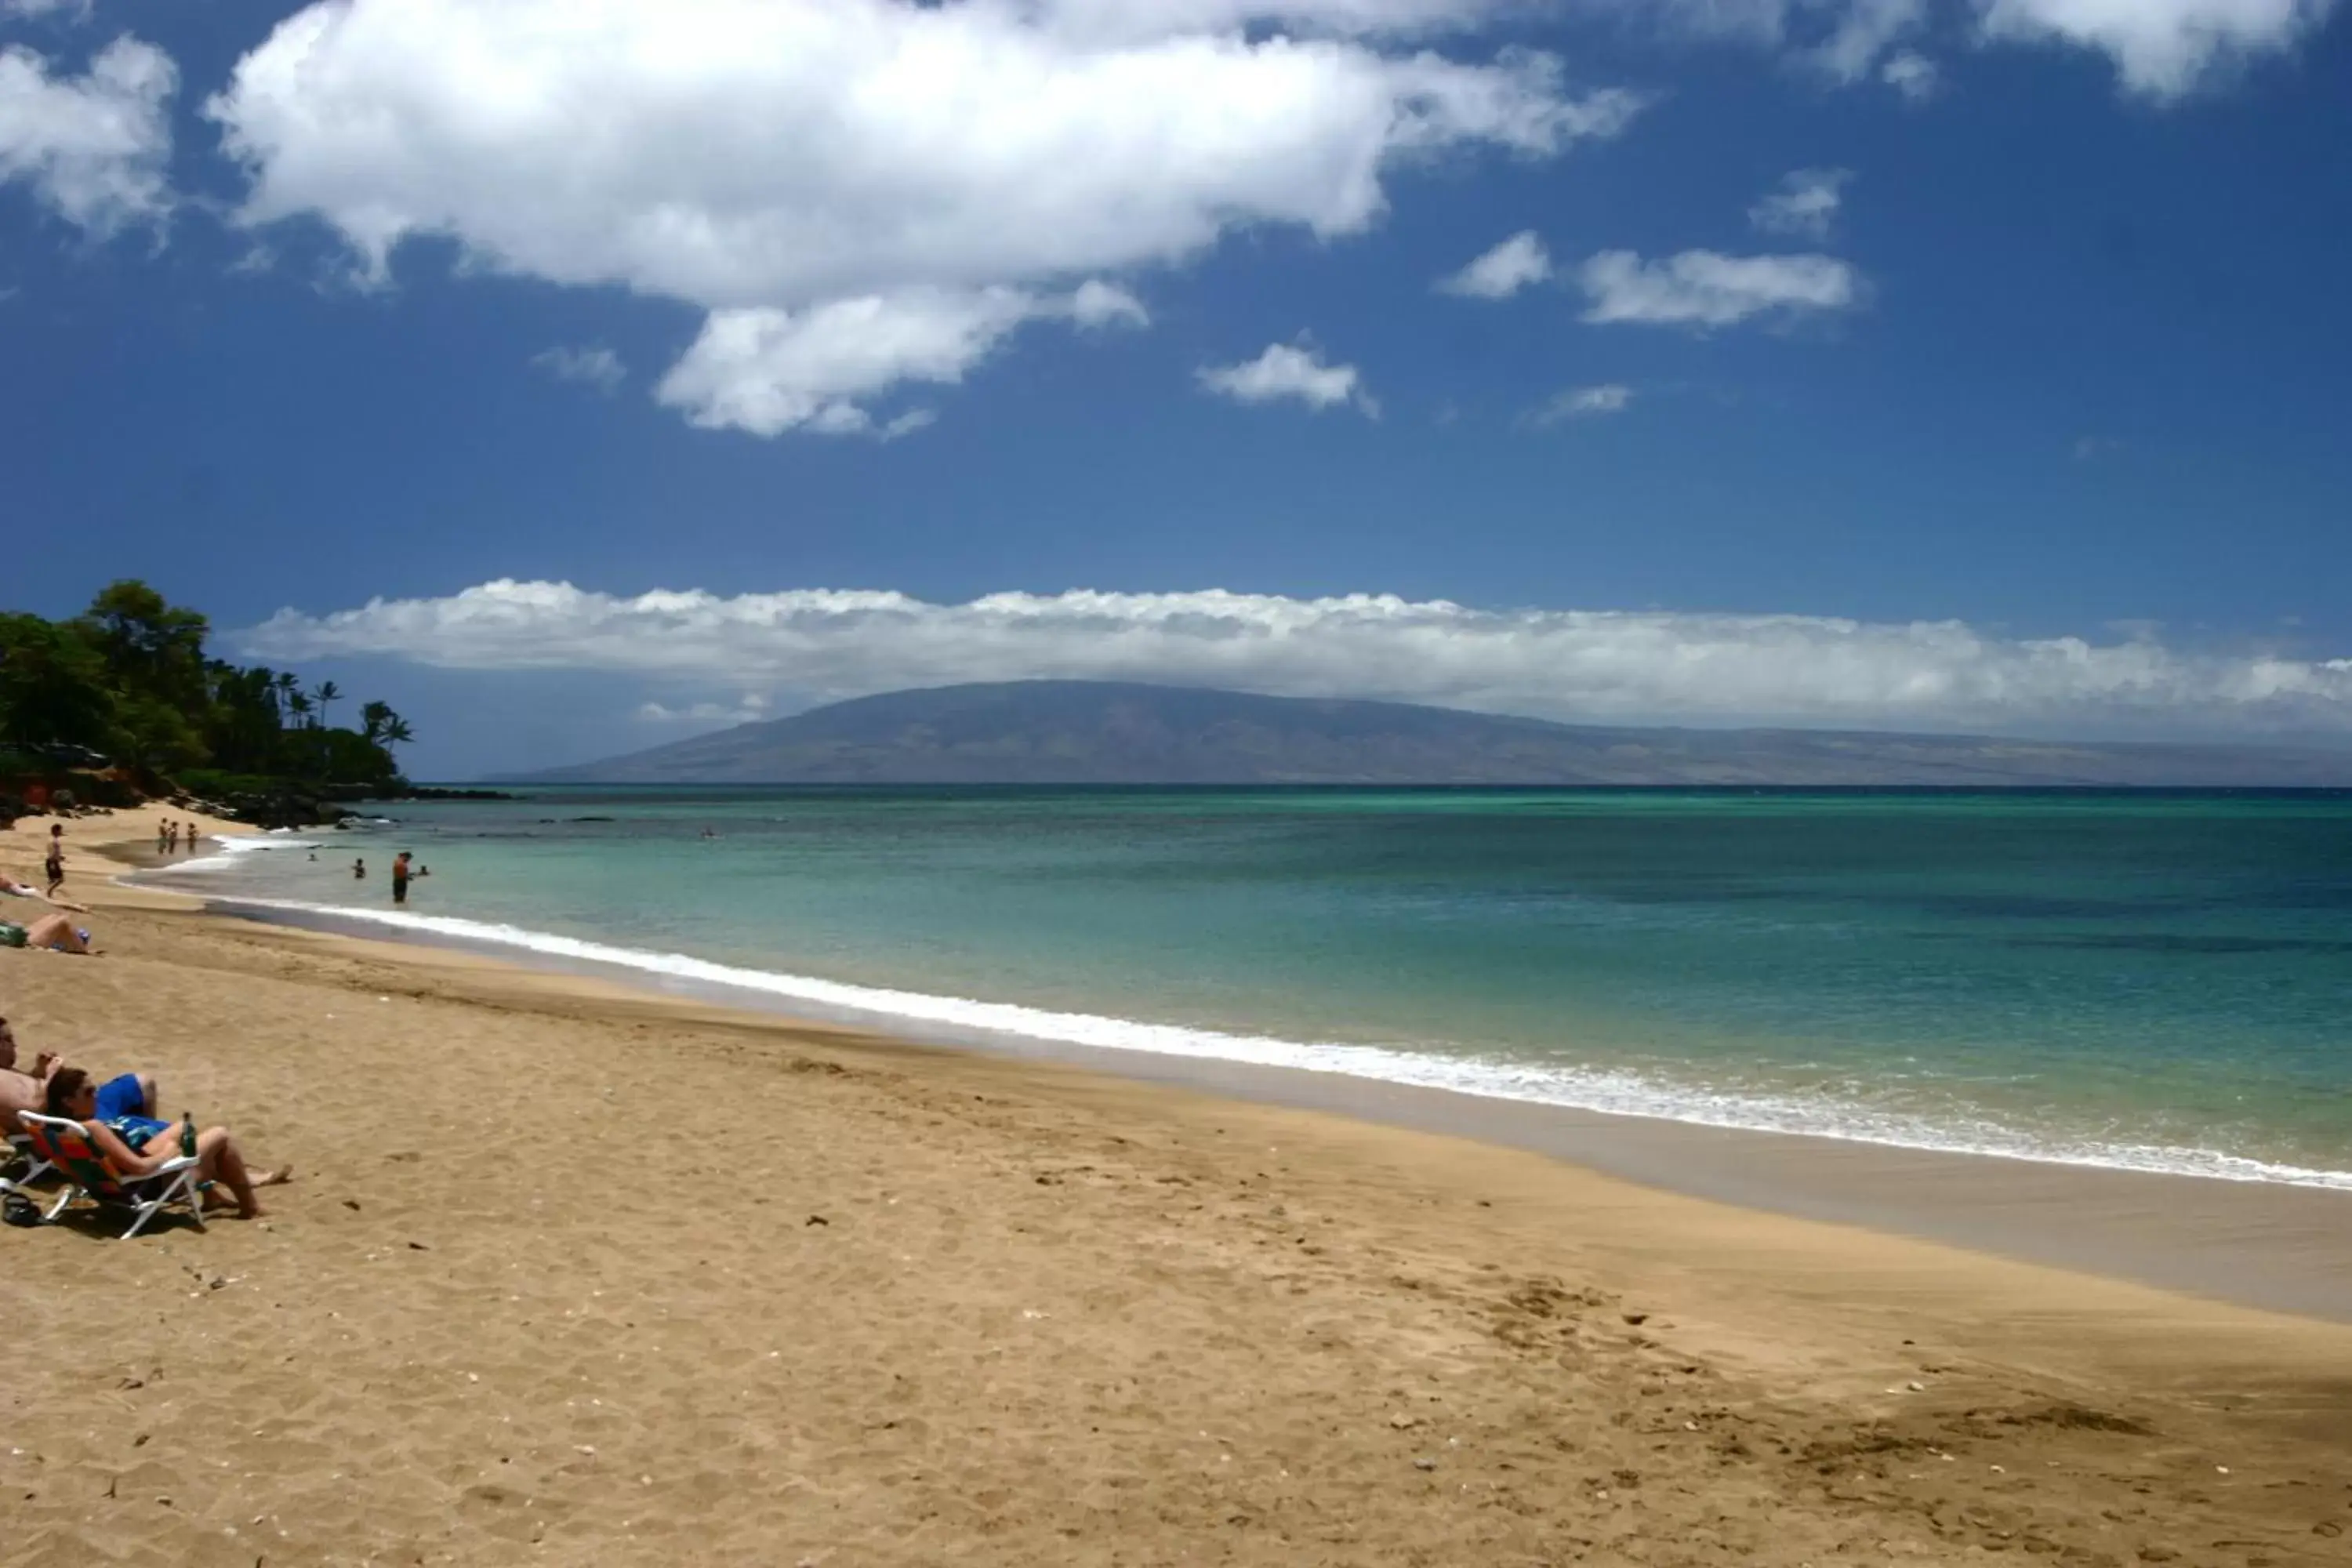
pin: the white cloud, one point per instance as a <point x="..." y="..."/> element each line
<point x="598" y="367"/>
<point x="1290" y="371"/>
<point x="2162" y="49"/>
<point x="1157" y="18"/>
<point x="1854" y="48"/>
<point x="1561" y="664"/>
<point x="1842" y="39"/>
<point x="1581" y="403"/>
<point x="1099" y="304"/>
<point x="77" y="9"/>
<point x="1806" y="203"/>
<point x="1912" y="74"/>
<point x="93" y="147"/>
<point x="1503" y="271"/>
<point x="779" y="162"/>
<point x="907" y="424"/>
<point x="752" y="708"/>
<point x="1702" y="288"/>
<point x="768" y="371"/>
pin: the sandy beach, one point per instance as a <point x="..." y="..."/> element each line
<point x="575" y="1274"/>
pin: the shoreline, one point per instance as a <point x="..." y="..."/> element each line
<point x="647" y="1278"/>
<point x="2268" y="1244"/>
<point x="1758" y="1080"/>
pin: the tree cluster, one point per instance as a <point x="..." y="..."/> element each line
<point x="129" y="680"/>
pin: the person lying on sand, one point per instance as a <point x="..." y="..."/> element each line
<point x="15" y="890"/>
<point x="55" y="933"/>
<point x="127" y="1097"/>
<point x="73" y="1096"/>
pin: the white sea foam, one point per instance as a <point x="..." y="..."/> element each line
<point x="228" y="850"/>
<point x="1608" y="1092"/>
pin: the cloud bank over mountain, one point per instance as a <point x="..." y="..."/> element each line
<point x="1632" y="666"/>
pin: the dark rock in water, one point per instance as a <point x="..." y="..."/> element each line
<point x="595" y="819"/>
<point x="289" y="807"/>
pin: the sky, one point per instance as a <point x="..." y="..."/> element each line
<point x="581" y="374"/>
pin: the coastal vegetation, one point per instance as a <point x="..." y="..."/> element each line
<point x="124" y="701"/>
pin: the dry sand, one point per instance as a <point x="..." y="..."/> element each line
<point x="579" y="1276"/>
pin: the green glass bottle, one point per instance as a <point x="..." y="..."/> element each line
<point x="188" y="1134"/>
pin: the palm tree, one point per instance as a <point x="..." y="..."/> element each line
<point x="373" y="716"/>
<point x="289" y="692"/>
<point x="326" y="697"/>
<point x="396" y="732"/>
<point x="300" y="706"/>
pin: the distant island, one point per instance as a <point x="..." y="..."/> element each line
<point x="1108" y="732"/>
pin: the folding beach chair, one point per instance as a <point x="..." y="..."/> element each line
<point x="66" y="1145"/>
<point x="20" y="1147"/>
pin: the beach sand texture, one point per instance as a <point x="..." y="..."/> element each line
<point x="573" y="1275"/>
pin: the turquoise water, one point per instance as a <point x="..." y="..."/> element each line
<point x="2159" y="981"/>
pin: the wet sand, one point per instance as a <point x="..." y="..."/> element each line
<point x="2257" y="1244"/>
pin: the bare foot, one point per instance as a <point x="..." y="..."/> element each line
<point x="276" y="1178"/>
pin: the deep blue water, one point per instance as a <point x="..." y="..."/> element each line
<point x="2161" y="981"/>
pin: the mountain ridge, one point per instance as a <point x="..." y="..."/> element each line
<point x="1082" y="731"/>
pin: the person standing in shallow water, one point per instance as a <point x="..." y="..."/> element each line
<point x="400" y="878"/>
<point x="359" y="870"/>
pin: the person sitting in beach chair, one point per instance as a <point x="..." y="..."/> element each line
<point x="101" y="1163"/>
<point x="75" y="1148"/>
<point x="129" y="1102"/>
<point x="21" y="1091"/>
<point x="128" y="1096"/>
<point x="125" y="1096"/>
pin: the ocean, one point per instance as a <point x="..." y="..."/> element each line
<point x="2157" y="982"/>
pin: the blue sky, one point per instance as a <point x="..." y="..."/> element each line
<point x="2022" y="409"/>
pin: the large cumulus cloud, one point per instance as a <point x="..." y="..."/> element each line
<point x="938" y="173"/>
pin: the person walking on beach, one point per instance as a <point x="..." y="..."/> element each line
<point x="55" y="864"/>
<point x="400" y="878"/>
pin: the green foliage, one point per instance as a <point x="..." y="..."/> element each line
<point x="336" y="756"/>
<point x="53" y="686"/>
<point x="151" y="648"/>
<point x="214" y="783"/>
<point x="155" y="737"/>
<point x="129" y="678"/>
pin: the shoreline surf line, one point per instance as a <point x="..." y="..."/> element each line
<point x="967" y="1022"/>
<point x="2267" y="1246"/>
